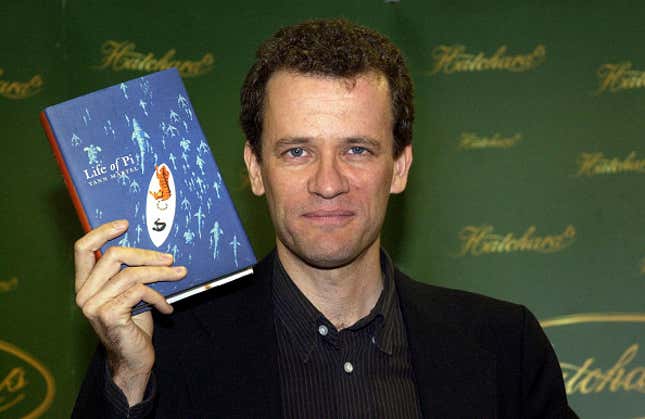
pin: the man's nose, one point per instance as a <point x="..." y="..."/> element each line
<point x="328" y="179"/>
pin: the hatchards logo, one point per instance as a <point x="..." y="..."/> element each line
<point x="8" y="285"/>
<point x="593" y="164"/>
<point x="20" y="89"/>
<point x="608" y="375"/>
<point x="26" y="386"/>
<point x="160" y="205"/>
<point x="613" y="78"/>
<point x="449" y="59"/>
<point x="123" y="55"/>
<point x="472" y="141"/>
<point x="482" y="240"/>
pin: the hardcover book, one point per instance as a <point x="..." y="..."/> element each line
<point x="136" y="151"/>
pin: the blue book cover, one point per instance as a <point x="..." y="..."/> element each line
<point x="136" y="151"/>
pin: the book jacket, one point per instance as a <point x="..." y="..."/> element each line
<point x="136" y="151"/>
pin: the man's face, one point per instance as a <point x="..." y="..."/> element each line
<point x="327" y="165"/>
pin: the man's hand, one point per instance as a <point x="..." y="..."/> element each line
<point x="106" y="294"/>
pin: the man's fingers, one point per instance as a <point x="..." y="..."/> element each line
<point x="85" y="247"/>
<point x="110" y="264"/>
<point x="125" y="280"/>
<point x="117" y="311"/>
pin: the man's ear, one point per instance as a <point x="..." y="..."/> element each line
<point x="401" y="169"/>
<point x="253" y="168"/>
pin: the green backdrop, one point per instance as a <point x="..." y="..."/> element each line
<point x="527" y="183"/>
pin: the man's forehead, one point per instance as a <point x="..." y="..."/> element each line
<point x="290" y="91"/>
<point x="291" y="96"/>
<point x="294" y="93"/>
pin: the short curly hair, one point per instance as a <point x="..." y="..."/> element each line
<point x="336" y="48"/>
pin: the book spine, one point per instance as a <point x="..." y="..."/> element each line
<point x="53" y="142"/>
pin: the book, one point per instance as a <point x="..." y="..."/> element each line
<point x="136" y="151"/>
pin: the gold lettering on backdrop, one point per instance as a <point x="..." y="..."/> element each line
<point x="450" y="59"/>
<point x="590" y="164"/>
<point x="20" y="90"/>
<point x="616" y="77"/>
<point x="9" y="285"/>
<point x="15" y="385"/>
<point x="586" y="378"/>
<point x="480" y="240"/>
<point x="583" y="379"/>
<point x="122" y="55"/>
<point x="472" y="141"/>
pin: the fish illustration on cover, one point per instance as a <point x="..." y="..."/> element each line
<point x="136" y="151"/>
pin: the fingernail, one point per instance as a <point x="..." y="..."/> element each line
<point x="180" y="270"/>
<point x="119" y="225"/>
<point x="167" y="257"/>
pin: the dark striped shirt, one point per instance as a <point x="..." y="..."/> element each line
<point x="363" y="371"/>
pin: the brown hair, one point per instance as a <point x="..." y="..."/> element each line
<point x="336" y="48"/>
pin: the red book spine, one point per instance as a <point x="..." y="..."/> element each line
<point x="63" y="167"/>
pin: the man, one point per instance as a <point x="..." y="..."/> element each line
<point x="326" y="327"/>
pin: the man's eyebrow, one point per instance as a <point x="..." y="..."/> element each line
<point x="292" y="141"/>
<point x="363" y="141"/>
<point x="300" y="141"/>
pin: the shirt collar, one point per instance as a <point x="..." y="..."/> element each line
<point x="302" y="319"/>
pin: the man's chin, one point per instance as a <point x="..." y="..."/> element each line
<point x="332" y="257"/>
<point x="328" y="261"/>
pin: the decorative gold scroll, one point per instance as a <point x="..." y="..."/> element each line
<point x="8" y="285"/>
<point x="14" y="386"/>
<point x="20" y="89"/>
<point x="482" y="240"/>
<point x="472" y="141"/>
<point x="449" y="59"/>
<point x="122" y="55"/>
<point x="587" y="378"/>
<point x="593" y="164"/>
<point x="614" y="78"/>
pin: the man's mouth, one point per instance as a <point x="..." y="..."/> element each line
<point x="330" y="216"/>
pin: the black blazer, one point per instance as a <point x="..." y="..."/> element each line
<point x="473" y="357"/>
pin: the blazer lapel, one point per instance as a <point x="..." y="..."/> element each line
<point x="455" y="377"/>
<point x="238" y="373"/>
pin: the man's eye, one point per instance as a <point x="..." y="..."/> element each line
<point x="295" y="152"/>
<point x="358" y="150"/>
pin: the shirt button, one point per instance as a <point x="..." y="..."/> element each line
<point x="322" y="329"/>
<point x="348" y="367"/>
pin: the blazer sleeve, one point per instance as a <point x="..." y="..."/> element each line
<point x="101" y="398"/>
<point x="543" y="392"/>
